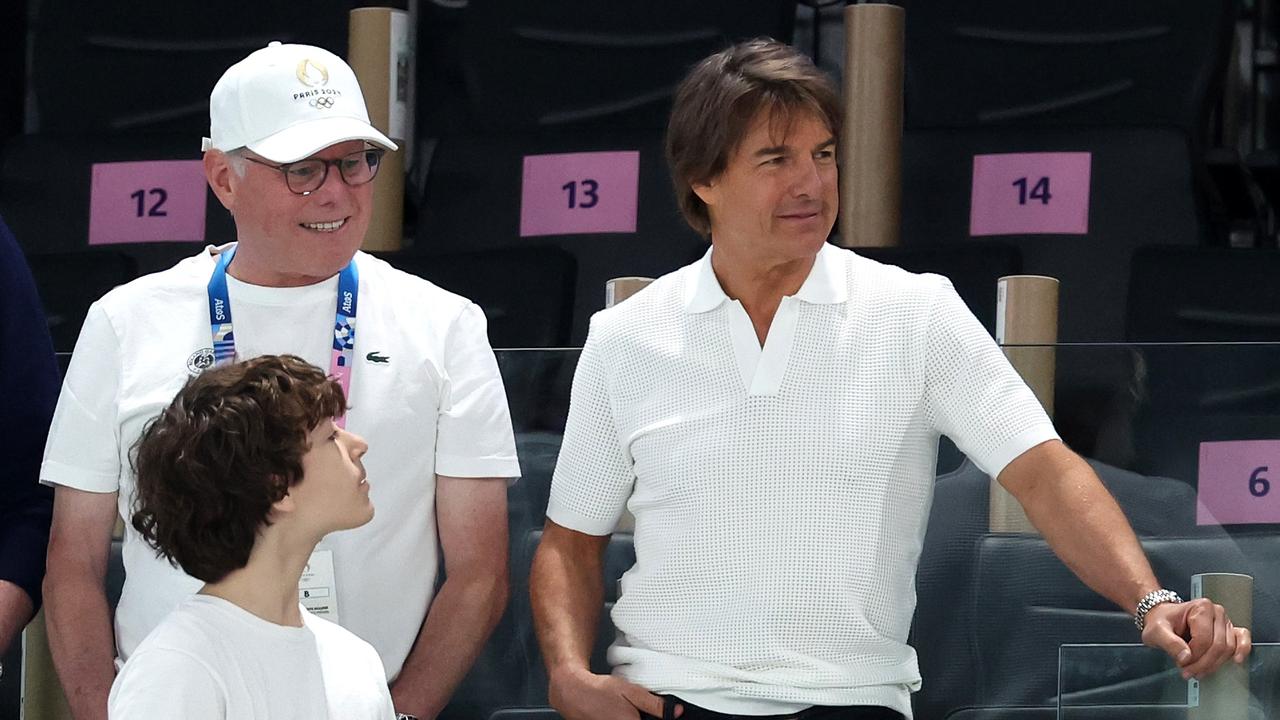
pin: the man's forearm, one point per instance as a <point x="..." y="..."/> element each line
<point x="462" y="616"/>
<point x="1086" y="529"/>
<point x="16" y="610"/>
<point x="82" y="643"/>
<point x="566" y="585"/>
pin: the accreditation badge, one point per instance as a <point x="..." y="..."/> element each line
<point x="318" y="587"/>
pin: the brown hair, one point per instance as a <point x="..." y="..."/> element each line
<point x="230" y="445"/>
<point x="717" y="101"/>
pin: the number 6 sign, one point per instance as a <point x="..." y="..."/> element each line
<point x="160" y="201"/>
<point x="1237" y="480"/>
<point x="1030" y="193"/>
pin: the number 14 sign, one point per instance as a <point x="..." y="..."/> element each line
<point x="1030" y="193"/>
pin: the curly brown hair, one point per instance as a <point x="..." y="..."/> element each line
<point x="716" y="102"/>
<point x="230" y="445"/>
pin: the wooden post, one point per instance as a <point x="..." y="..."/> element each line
<point x="42" y="697"/>
<point x="381" y="54"/>
<point x="1223" y="695"/>
<point x="621" y="288"/>
<point x="1026" y="314"/>
<point x="871" y="142"/>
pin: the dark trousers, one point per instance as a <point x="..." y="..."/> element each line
<point x="817" y="712"/>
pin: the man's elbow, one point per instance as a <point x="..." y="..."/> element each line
<point x="486" y="586"/>
<point x="491" y="590"/>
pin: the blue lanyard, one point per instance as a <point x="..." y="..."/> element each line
<point x="344" y="323"/>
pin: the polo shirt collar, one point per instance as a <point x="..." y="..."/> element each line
<point x="825" y="284"/>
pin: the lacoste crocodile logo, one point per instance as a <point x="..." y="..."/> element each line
<point x="375" y="357"/>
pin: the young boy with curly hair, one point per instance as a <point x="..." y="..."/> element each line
<point x="238" y="479"/>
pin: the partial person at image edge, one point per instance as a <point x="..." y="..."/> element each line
<point x="29" y="372"/>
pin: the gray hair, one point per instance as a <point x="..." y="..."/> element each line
<point x="236" y="159"/>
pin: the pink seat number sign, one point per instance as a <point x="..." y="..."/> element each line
<point x="1237" y="482"/>
<point x="1030" y="193"/>
<point x="159" y="201"/>
<point x="569" y="193"/>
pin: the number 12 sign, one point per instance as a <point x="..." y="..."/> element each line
<point x="1030" y="193"/>
<point x="569" y="193"/>
<point x="159" y="201"/>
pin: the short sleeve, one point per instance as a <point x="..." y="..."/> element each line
<point x="594" y="476"/>
<point x="83" y="451"/>
<point x="161" y="683"/>
<point x="973" y="395"/>
<point x="474" y="436"/>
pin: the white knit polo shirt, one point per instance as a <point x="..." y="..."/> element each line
<point x="780" y="493"/>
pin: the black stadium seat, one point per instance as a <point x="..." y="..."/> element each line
<point x="1142" y="191"/>
<point x="993" y="608"/>
<point x="1133" y="85"/>
<point x="148" y="66"/>
<point x="1204" y="294"/>
<point x="1040" y="605"/>
<point x="70" y="281"/>
<point x="565" y="77"/>
<point x="114" y="82"/>
<point x="974" y="268"/>
<point x="45" y="189"/>
<point x="527" y="293"/>
<point x="565" y="63"/>
<point x="1090" y="63"/>
<point x="473" y="200"/>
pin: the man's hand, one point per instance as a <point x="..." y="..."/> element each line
<point x="1213" y="639"/>
<point x="579" y="694"/>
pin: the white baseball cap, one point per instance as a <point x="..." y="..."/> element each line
<point x="288" y="102"/>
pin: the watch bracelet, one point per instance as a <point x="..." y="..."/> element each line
<point x="1150" y="600"/>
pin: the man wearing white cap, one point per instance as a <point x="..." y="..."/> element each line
<point x="291" y="154"/>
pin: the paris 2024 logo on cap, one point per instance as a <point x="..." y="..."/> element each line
<point x="316" y="76"/>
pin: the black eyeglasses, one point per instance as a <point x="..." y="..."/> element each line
<point x="307" y="176"/>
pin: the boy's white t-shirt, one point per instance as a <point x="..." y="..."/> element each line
<point x="212" y="660"/>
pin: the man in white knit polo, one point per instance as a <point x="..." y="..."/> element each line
<point x="770" y="414"/>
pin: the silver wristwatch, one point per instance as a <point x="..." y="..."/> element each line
<point x="1150" y="600"/>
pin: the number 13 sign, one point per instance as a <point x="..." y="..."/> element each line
<point x="160" y="201"/>
<point x="568" y="193"/>
<point x="1030" y="193"/>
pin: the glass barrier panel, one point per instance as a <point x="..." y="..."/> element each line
<point x="1134" y="682"/>
<point x="1186" y="438"/>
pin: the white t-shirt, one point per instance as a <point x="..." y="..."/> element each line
<point x="425" y="393"/>
<point x="212" y="660"/>
<point x="780" y="493"/>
